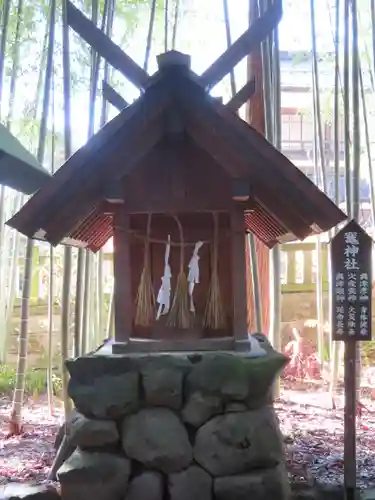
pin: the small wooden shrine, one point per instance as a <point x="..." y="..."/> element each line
<point x="178" y="179"/>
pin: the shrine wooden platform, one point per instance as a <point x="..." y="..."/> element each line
<point x="137" y="345"/>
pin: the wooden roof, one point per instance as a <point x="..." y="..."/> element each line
<point x="287" y="204"/>
<point x="19" y="169"/>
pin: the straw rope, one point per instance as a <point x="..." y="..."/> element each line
<point x="145" y="302"/>
<point x="214" y="315"/>
<point x="135" y="234"/>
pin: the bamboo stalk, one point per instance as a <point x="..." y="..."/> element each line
<point x="87" y="333"/>
<point x="318" y="246"/>
<point x="100" y="297"/>
<point x="15" y="58"/>
<point x="86" y="304"/>
<point x="108" y="14"/>
<point x="275" y="262"/>
<point x="3" y="42"/>
<point x="19" y="199"/>
<point x="3" y="191"/>
<point x="272" y="99"/>
<point x="15" y="418"/>
<point x="346" y="97"/>
<point x="166" y="12"/>
<point x="372" y="13"/>
<point x="51" y="290"/>
<point x="149" y="35"/>
<point x="78" y="306"/>
<point x="257" y="253"/>
<point x="51" y="281"/>
<point x="368" y="148"/>
<point x="3" y="265"/>
<point x="65" y="330"/>
<point x="336" y="149"/>
<point x="175" y="23"/>
<point x="111" y="316"/>
<point x="229" y="43"/>
<point x="39" y="85"/>
<point x="67" y="269"/>
<point x="107" y="26"/>
<point x="255" y="282"/>
<point x="267" y="82"/>
<point x="371" y="176"/>
<point x="356" y="154"/>
<point x="15" y="251"/>
<point x="321" y="180"/>
<point x="356" y="115"/>
<point x="272" y="131"/>
<point x="93" y="325"/>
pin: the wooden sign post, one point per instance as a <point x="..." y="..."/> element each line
<point x="351" y="259"/>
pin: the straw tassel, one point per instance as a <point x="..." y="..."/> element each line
<point x="180" y="316"/>
<point x="145" y="301"/>
<point x="214" y="316"/>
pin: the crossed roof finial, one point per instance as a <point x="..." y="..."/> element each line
<point x="116" y="57"/>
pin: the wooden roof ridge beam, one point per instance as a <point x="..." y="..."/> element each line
<point x="250" y="39"/>
<point x="105" y="47"/>
<point x="113" y="97"/>
<point x="242" y="96"/>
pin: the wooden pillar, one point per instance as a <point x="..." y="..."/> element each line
<point x="122" y="275"/>
<point x="238" y="267"/>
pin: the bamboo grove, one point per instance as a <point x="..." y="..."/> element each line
<point x="60" y="64"/>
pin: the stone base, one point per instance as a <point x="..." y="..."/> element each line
<point x="177" y="425"/>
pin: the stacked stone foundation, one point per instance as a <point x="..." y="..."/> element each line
<point x="173" y="427"/>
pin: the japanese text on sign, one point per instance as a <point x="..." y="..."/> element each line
<point x="351" y="300"/>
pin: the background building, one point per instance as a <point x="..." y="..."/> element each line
<point x="297" y="121"/>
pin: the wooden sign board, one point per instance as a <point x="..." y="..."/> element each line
<point x="351" y="262"/>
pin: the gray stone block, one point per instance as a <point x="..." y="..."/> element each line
<point x="257" y="485"/>
<point x="190" y="484"/>
<point x="147" y="486"/>
<point x="235" y="443"/>
<point x="94" y="475"/>
<point x="158" y="439"/>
